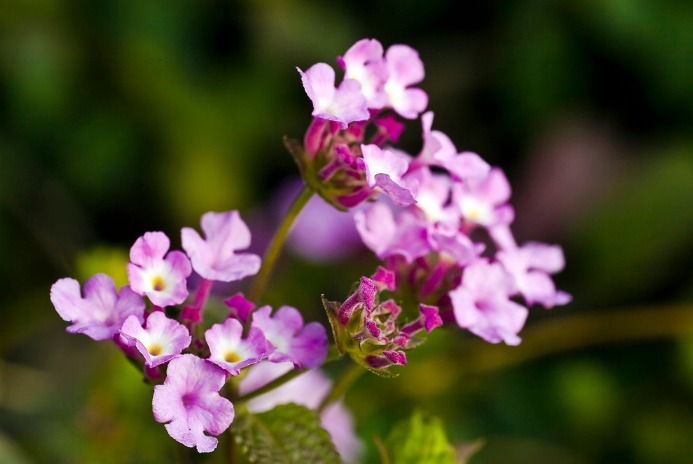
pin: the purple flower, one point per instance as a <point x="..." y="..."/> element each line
<point x="231" y="352"/>
<point x="305" y="346"/>
<point x="384" y="169"/>
<point x="389" y="129"/>
<point x="405" y="68"/>
<point x="481" y="303"/>
<point x="484" y="201"/>
<point x="214" y="257"/>
<point x="161" y="340"/>
<point x="162" y="279"/>
<point x="102" y="310"/>
<point x="435" y="143"/>
<point x="190" y="405"/>
<point x="364" y="62"/>
<point x="531" y="265"/>
<point x="407" y="236"/>
<point x="343" y="105"/>
<point x="363" y="297"/>
<point x="432" y="196"/>
<point x="428" y="320"/>
<point x="439" y="150"/>
<point x="240" y="307"/>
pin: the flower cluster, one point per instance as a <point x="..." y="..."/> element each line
<point x="198" y="359"/>
<point x="439" y="220"/>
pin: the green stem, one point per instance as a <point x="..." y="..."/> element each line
<point x="579" y="331"/>
<point x="333" y="354"/>
<point x="231" y="392"/>
<point x="348" y="377"/>
<point x="549" y="337"/>
<point x="279" y="381"/>
<point x="275" y="247"/>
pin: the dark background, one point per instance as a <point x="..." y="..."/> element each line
<point x="119" y="117"/>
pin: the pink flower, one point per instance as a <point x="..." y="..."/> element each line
<point x="230" y="351"/>
<point x="305" y="346"/>
<point x="439" y="150"/>
<point x="484" y="201"/>
<point x="343" y="105"/>
<point x="364" y="62"/>
<point x="214" y="257"/>
<point x="405" y="68"/>
<point x="240" y="307"/>
<point x="153" y="273"/>
<point x="435" y="143"/>
<point x="432" y="196"/>
<point x="190" y="405"/>
<point x="407" y="236"/>
<point x="102" y="310"/>
<point x="362" y="298"/>
<point x="531" y="266"/>
<point x="384" y="169"/>
<point x="481" y="303"/>
<point x="161" y="340"/>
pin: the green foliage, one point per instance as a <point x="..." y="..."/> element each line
<point x="634" y="240"/>
<point x="419" y="440"/>
<point x="286" y="434"/>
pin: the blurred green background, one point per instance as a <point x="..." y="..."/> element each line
<point x="123" y="116"/>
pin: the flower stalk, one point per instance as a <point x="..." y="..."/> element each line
<point x="276" y="244"/>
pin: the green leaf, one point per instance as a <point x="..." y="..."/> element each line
<point x="332" y="310"/>
<point x="419" y="440"/>
<point x="287" y="434"/>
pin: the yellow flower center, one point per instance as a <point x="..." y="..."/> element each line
<point x="231" y="357"/>
<point x="158" y="284"/>
<point x="474" y="215"/>
<point x="155" y="349"/>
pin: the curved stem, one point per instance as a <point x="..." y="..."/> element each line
<point x="231" y="392"/>
<point x="551" y="337"/>
<point x="348" y="377"/>
<point x="279" y="381"/>
<point x="333" y="355"/>
<point x="275" y="246"/>
<point x="579" y="331"/>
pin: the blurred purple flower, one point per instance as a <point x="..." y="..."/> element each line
<point x="531" y="265"/>
<point x="481" y="303"/>
<point x="321" y="233"/>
